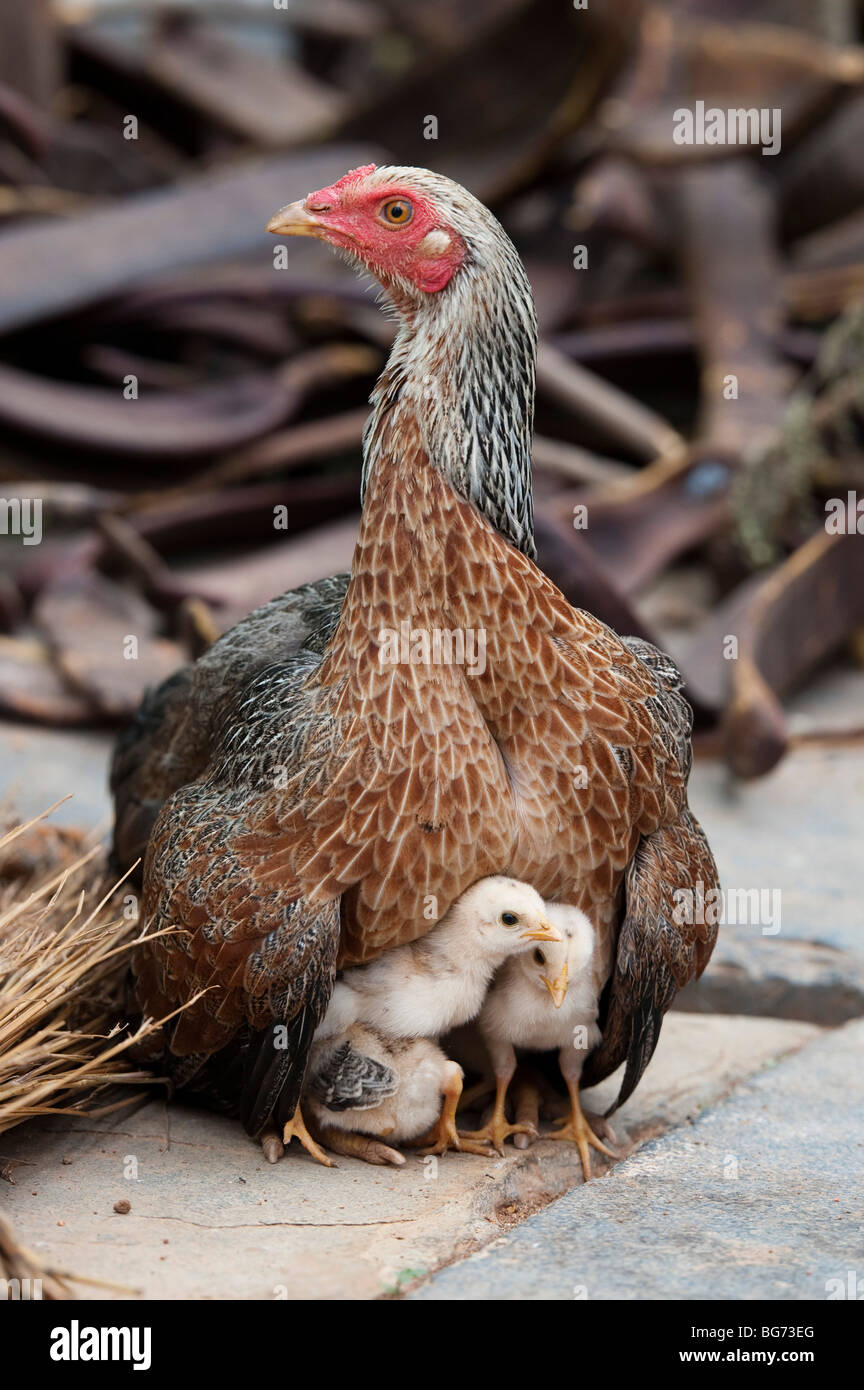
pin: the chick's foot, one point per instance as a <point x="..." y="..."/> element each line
<point x="444" y="1135"/>
<point x="296" y="1129"/>
<point x="361" y="1146"/>
<point x="497" y="1127"/>
<point x="578" y="1131"/>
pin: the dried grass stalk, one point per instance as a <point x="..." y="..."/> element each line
<point x="64" y="953"/>
<point x="21" y="1268"/>
<point x="27" y="1277"/>
<point x="64" y="949"/>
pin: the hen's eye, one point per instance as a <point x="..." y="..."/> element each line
<point x="539" y="957"/>
<point x="509" y="919"/>
<point x="397" y="212"/>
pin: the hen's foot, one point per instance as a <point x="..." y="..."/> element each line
<point x="601" y="1126"/>
<point x="525" y="1094"/>
<point x="496" y="1128"/>
<point x="272" y="1145"/>
<point x="296" y="1129"/>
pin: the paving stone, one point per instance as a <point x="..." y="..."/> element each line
<point x="797" y="832"/>
<point x="762" y="1197"/>
<point x="40" y="765"/>
<point x="210" y="1219"/>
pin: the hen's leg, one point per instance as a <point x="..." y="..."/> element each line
<point x="444" y="1135"/>
<point x="577" y="1127"/>
<point x="496" y="1129"/>
<point x="296" y="1129"/>
<point x="469" y="1098"/>
<point x="526" y="1105"/>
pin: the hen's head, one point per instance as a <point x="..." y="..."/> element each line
<point x="412" y="229"/>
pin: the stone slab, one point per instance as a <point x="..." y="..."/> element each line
<point x="762" y="1197"/>
<point x="210" y="1219"/>
<point x="796" y="833"/>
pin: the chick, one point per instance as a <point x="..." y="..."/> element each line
<point x="363" y="1087"/>
<point x="546" y="999"/>
<point x="427" y="987"/>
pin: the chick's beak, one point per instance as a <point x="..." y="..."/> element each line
<point x="544" y="931"/>
<point x="294" y="220"/>
<point x="557" y="987"/>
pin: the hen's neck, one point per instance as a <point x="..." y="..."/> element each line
<point x="460" y="384"/>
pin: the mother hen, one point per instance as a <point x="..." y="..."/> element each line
<point x="336" y="800"/>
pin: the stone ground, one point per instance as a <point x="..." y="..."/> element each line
<point x="742" y="1174"/>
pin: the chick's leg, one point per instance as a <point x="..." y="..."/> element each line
<point x="296" y="1129"/>
<point x="577" y="1128"/>
<point x="361" y="1146"/>
<point x="444" y="1135"/>
<point x="496" y="1129"/>
<point x="469" y="1098"/>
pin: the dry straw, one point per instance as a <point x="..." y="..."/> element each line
<point x="64" y="954"/>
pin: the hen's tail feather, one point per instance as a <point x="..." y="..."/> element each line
<point x="644" y="1038"/>
<point x="273" y="1085"/>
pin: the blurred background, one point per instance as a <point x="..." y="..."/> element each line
<point x="181" y="404"/>
<point x="184" y="399"/>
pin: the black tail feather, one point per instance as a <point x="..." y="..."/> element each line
<point x="274" y="1081"/>
<point x="644" y="1038"/>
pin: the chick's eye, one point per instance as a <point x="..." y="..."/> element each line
<point x="509" y="919"/>
<point x="397" y="212"/>
<point x="539" y="957"/>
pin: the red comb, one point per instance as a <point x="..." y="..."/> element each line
<point x="351" y="177"/>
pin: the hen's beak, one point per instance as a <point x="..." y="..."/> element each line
<point x="544" y="931"/>
<point x="294" y="220"/>
<point x="557" y="987"/>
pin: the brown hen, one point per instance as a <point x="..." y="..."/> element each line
<point x="331" y="776"/>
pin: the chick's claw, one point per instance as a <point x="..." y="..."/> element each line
<point x="448" y="1137"/>
<point x="444" y="1135"/>
<point x="496" y="1131"/>
<point x="296" y="1129"/>
<point x="579" y="1132"/>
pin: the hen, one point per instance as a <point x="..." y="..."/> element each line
<point x="318" y="791"/>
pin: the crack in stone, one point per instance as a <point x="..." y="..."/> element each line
<point x="262" y="1225"/>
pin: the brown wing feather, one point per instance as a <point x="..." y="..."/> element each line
<point x="171" y="740"/>
<point x="660" y="947"/>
